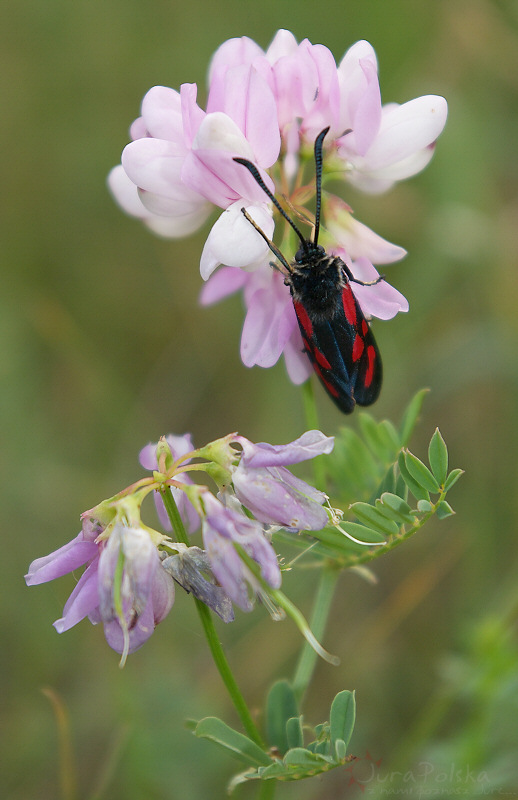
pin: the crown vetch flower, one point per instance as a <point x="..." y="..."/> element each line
<point x="129" y="605"/>
<point x="222" y="529"/>
<point x="270" y="491"/>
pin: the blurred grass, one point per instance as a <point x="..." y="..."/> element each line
<point x="103" y="348"/>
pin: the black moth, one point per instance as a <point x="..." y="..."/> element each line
<point x="336" y="335"/>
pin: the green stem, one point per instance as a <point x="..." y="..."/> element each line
<point x="207" y="622"/>
<point x="174" y="516"/>
<point x="267" y="790"/>
<point x="226" y="673"/>
<point x="308" y="657"/>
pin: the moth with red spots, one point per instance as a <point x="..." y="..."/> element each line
<point x="336" y="335"/>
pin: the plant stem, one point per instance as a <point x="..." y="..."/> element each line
<point x="308" y="656"/>
<point x="207" y="622"/>
<point x="226" y="673"/>
<point x="174" y="516"/>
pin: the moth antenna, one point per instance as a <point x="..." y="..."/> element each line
<point x="255" y="174"/>
<point x="273" y="247"/>
<point x="318" y="180"/>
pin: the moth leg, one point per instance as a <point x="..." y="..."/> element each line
<point x="358" y="281"/>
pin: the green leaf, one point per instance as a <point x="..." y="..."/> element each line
<point x="452" y="478"/>
<point x="281" y="705"/>
<point x="374" y="518"/>
<point x="237" y="743"/>
<point x="389" y="434"/>
<point x="361" y="532"/>
<point x="438" y="457"/>
<point x="352" y="465"/>
<point x="389" y="482"/>
<point x="424" y="506"/>
<point x="410" y="417"/>
<point x="341" y="544"/>
<point x="417" y="490"/>
<point x="343" y="715"/>
<point x="395" y="507"/>
<point x="294" y="732"/>
<point x="421" y="473"/>
<point x="299" y="756"/>
<point x="340" y="749"/>
<point x="376" y="437"/>
<point x="444" y="510"/>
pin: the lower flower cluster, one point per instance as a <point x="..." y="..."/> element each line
<point x="131" y="569"/>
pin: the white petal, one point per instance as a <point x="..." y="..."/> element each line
<point x="219" y="132"/>
<point x="233" y="241"/>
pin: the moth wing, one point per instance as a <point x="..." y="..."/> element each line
<point x="343" y="353"/>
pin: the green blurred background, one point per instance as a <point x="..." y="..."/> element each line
<point x="104" y="348"/>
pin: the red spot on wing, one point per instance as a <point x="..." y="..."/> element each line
<point x="371" y="356"/>
<point x="330" y="388"/>
<point x="322" y="360"/>
<point x="358" y="347"/>
<point x="365" y="327"/>
<point x="349" y="305"/>
<point x="303" y="318"/>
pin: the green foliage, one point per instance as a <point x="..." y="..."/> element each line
<point x="281" y="706"/>
<point x="327" y="750"/>
<point x="389" y="491"/>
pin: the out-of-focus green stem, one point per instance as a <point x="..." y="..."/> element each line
<point x="328" y="576"/>
<point x="318" y="622"/>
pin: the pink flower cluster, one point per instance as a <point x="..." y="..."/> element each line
<point x="268" y="107"/>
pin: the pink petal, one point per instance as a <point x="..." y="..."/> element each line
<point x="282" y="44"/>
<point x="232" y="53"/>
<point x="406" y="129"/>
<point x="192" y="114"/>
<point x="126" y="193"/>
<point x="360" y="100"/>
<point x="162" y="114"/>
<point x="222" y="283"/>
<point x="381" y="300"/>
<point x="355" y="237"/>
<point x="310" y="444"/>
<point x="269" y="321"/>
<point x="298" y="365"/>
<point x="324" y="106"/>
<point x="62" y="561"/>
<point x="83" y="600"/>
<point x="155" y="166"/>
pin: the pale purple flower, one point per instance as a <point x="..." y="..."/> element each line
<point x="179" y="446"/>
<point x="270" y="491"/>
<point x="222" y="529"/>
<point x="147" y="590"/>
